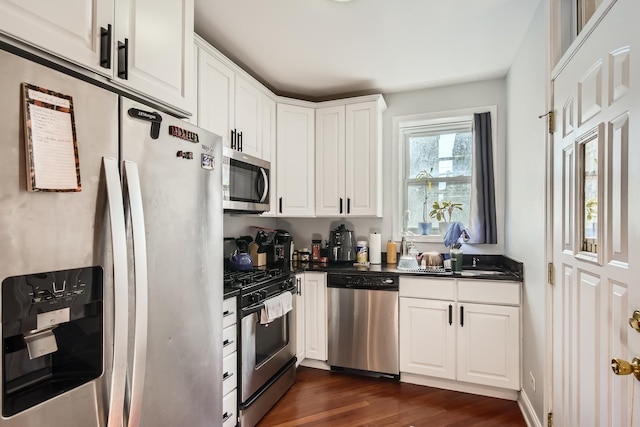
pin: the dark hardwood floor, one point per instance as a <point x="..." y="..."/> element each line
<point x="322" y="398"/>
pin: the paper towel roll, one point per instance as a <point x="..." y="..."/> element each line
<point x="375" y="247"/>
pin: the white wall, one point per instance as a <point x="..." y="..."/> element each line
<point x="525" y="194"/>
<point x="482" y="93"/>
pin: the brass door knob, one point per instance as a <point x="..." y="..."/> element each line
<point x="622" y="367"/>
<point x="634" y="321"/>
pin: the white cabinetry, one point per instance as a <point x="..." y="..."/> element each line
<point x="300" y="317"/>
<point x="144" y="45"/>
<point x="315" y="328"/>
<point x="229" y="362"/>
<point x="231" y="105"/>
<point x="269" y="148"/>
<point x="462" y="330"/>
<point x="295" y="160"/>
<point x="311" y="316"/>
<point x="349" y="157"/>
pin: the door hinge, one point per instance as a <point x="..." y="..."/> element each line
<point x="550" y="273"/>
<point x="550" y="419"/>
<point x="551" y="122"/>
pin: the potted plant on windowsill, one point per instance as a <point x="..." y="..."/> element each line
<point x="425" y="225"/>
<point x="442" y="212"/>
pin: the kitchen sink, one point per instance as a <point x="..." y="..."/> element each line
<point x="480" y="272"/>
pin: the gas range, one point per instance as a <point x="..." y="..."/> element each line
<point x="258" y="285"/>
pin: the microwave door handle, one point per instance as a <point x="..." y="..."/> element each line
<point x="265" y="179"/>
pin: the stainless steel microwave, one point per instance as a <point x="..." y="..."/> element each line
<point x="245" y="182"/>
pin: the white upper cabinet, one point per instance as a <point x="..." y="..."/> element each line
<point x="349" y="158"/>
<point x="70" y="29"/>
<point x="295" y="161"/>
<point x="330" y="161"/>
<point x="248" y="117"/>
<point x="153" y="48"/>
<point x="216" y="84"/>
<point x="233" y="106"/>
<point x="143" y="45"/>
<point x="269" y="148"/>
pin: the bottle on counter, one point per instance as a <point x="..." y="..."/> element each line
<point x="362" y="251"/>
<point x="315" y="250"/>
<point x="392" y="252"/>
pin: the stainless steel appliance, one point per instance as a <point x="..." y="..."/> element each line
<point x="245" y="182"/>
<point x="342" y="244"/>
<point x="267" y="352"/>
<point x="127" y="270"/>
<point x="363" y="323"/>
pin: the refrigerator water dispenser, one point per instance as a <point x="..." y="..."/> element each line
<point x="52" y="335"/>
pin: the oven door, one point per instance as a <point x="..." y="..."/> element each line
<point x="265" y="349"/>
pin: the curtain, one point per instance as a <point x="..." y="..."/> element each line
<point x="482" y="222"/>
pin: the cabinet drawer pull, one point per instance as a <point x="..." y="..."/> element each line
<point x="105" y="47"/>
<point x="123" y="59"/>
<point x="226" y="416"/>
<point x="227" y="313"/>
<point x="227" y="343"/>
<point x="226" y="376"/>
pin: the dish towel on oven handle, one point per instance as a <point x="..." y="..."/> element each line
<point x="276" y="307"/>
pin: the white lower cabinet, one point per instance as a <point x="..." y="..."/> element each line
<point x="311" y="319"/>
<point x="446" y="333"/>
<point x="229" y="362"/>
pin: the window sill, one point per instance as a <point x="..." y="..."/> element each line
<point x="422" y="238"/>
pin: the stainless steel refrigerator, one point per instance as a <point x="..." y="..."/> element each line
<point x="127" y="271"/>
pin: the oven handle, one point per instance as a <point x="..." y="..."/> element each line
<point x="246" y="311"/>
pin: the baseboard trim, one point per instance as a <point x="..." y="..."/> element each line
<point x="459" y="386"/>
<point x="318" y="364"/>
<point x="527" y="410"/>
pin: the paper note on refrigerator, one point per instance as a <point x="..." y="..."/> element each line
<point x="51" y="148"/>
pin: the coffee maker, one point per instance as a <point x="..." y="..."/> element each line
<point x="342" y="245"/>
<point x="282" y="245"/>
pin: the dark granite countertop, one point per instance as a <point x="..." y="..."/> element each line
<point x="488" y="267"/>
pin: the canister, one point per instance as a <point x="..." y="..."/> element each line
<point x="362" y="251"/>
<point x="392" y="252"/>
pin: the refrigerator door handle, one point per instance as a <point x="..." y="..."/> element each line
<point x="120" y="292"/>
<point x="134" y="204"/>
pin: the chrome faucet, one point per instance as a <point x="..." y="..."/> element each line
<point x="474" y="262"/>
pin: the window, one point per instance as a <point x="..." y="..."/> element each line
<point x="445" y="151"/>
<point x="440" y="143"/>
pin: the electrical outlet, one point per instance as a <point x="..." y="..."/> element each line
<point x="532" y="381"/>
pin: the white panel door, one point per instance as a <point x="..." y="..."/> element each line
<point x="67" y="28"/>
<point x="363" y="160"/>
<point x="489" y="345"/>
<point x="159" y="39"/>
<point x="216" y="83"/>
<point x="428" y="337"/>
<point x="330" y="162"/>
<point x="596" y="252"/>
<point x="295" y="157"/>
<point x="248" y="116"/>
<point x="315" y="300"/>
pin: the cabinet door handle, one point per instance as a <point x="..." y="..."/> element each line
<point x="299" y="285"/>
<point x="280" y="203"/>
<point x="233" y="139"/>
<point x="240" y="141"/>
<point x="462" y="316"/>
<point x="123" y="59"/>
<point x="450" y="315"/>
<point x="105" y="47"/>
<point x="340" y="204"/>
<point x="348" y="205"/>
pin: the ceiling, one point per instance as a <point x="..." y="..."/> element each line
<point x="321" y="49"/>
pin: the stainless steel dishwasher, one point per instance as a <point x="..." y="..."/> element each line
<point x="363" y="323"/>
